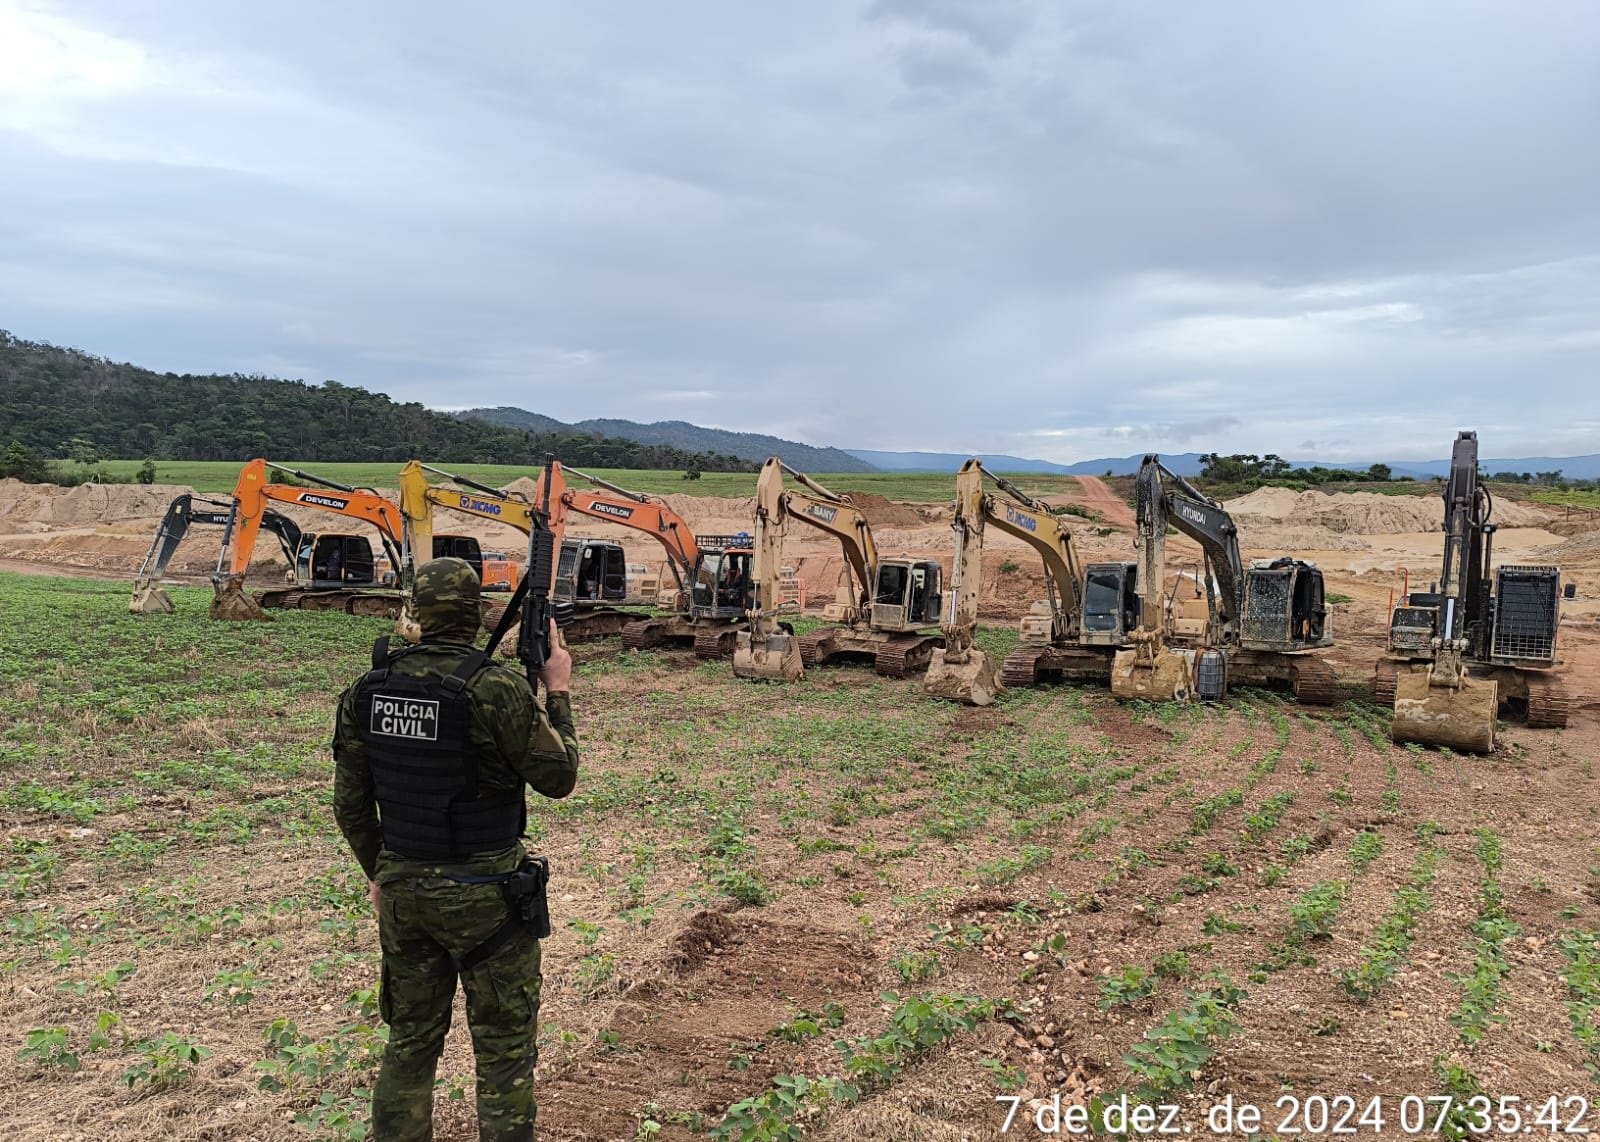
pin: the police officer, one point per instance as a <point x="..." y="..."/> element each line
<point x="432" y="749"/>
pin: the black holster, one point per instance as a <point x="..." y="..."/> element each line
<point x="527" y="895"/>
<point x="527" y="902"/>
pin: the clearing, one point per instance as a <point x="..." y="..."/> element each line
<point x="746" y="871"/>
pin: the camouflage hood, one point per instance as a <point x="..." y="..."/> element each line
<point x="446" y="595"/>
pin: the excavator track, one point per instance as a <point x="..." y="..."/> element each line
<point x="715" y="642"/>
<point x="1548" y="704"/>
<point x="372" y="604"/>
<point x="1383" y="683"/>
<point x="905" y="656"/>
<point x="645" y="634"/>
<point x="814" y="647"/>
<point x="1315" y="683"/>
<point x="586" y="625"/>
<point x="1021" y="667"/>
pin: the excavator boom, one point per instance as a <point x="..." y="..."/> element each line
<point x="251" y="495"/>
<point x="767" y="651"/>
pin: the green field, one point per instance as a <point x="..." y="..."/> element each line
<point x="907" y="487"/>
<point x="840" y="879"/>
<point x="1572" y="497"/>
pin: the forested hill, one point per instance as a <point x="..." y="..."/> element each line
<point x="681" y="434"/>
<point x="59" y="402"/>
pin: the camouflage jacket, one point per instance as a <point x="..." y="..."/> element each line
<point x="520" y="737"/>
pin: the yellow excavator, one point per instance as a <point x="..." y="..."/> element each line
<point x="1484" y="636"/>
<point x="328" y="571"/>
<point x="1071" y="634"/>
<point x="1258" y="624"/>
<point x="590" y="574"/>
<point x="767" y="649"/>
<point x="891" y="602"/>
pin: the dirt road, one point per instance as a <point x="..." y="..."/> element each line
<point x="1096" y="494"/>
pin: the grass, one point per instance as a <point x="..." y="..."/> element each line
<point x="180" y="911"/>
<point x="909" y="487"/>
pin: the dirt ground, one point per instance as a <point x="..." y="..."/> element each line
<point x="746" y="873"/>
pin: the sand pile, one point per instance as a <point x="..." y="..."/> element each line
<point x="85" y="504"/>
<point x="1268" y="510"/>
<point x="1576" y="549"/>
<point x="883" y="512"/>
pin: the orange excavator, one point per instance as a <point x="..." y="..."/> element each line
<point x="712" y="573"/>
<point x="329" y="570"/>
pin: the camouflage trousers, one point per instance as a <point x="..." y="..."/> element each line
<point x="426" y="925"/>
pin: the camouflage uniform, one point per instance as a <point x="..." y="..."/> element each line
<point x="428" y="923"/>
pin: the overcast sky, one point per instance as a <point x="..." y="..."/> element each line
<point x="1063" y="230"/>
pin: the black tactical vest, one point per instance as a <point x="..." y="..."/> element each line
<point x="424" y="768"/>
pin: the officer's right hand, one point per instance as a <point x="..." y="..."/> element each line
<point x="557" y="672"/>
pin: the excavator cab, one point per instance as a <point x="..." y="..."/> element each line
<point x="591" y="571"/>
<point x="1110" y="603"/>
<point x="1285" y="607"/>
<point x="460" y="547"/>
<point x="333" y="560"/>
<point x="906" y="595"/>
<point x="723" y="586"/>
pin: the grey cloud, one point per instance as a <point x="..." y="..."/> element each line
<point x="994" y="25"/>
<point x="921" y="225"/>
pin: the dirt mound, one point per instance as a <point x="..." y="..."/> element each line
<point x="883" y="512"/>
<point x="1356" y="513"/>
<point x="1257" y="535"/>
<point x="1576" y="549"/>
<point x="85" y="504"/>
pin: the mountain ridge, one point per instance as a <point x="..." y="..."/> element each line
<point x="754" y="446"/>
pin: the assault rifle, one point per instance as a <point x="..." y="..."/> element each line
<point x="531" y="605"/>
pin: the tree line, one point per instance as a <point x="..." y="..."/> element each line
<point x="1247" y="470"/>
<point x="63" y="404"/>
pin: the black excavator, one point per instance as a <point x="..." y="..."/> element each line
<point x="1245" y="626"/>
<point x="1483" y="638"/>
<point x="149" y="597"/>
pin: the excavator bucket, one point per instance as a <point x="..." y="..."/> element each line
<point x="1461" y="716"/>
<point x="975" y="681"/>
<point x="1168" y="676"/>
<point x="775" y="658"/>
<point x="234" y="605"/>
<point x="150" y="599"/>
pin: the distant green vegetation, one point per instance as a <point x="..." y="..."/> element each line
<point x="1569" y="497"/>
<point x="908" y="487"/>
<point x="64" y="404"/>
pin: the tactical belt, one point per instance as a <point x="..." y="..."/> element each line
<point x="527" y="903"/>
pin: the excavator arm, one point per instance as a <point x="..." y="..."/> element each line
<point x="418" y="498"/>
<point x="642" y="513"/>
<point x="961" y="671"/>
<point x="1032" y="521"/>
<point x="182" y="513"/>
<point x="1442" y="704"/>
<point x="1178" y="503"/>
<point x="765" y="650"/>
<point x="837" y="516"/>
<point x="254" y="492"/>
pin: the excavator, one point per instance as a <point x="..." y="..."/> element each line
<point x="1482" y="637"/>
<point x="590" y="574"/>
<point x="1246" y="626"/>
<point x="767" y="649"/>
<point x="328" y="570"/>
<point x="1072" y="633"/>
<point x="892" y="601"/>
<point x="712" y="573"/>
<point x="149" y="597"/>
